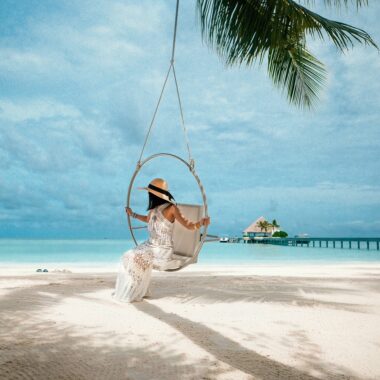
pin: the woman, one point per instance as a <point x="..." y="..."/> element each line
<point x="136" y="265"/>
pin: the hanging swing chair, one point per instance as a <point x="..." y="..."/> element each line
<point x="187" y="243"/>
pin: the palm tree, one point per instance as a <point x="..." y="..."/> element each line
<point x="247" y="31"/>
<point x="274" y="225"/>
<point x="263" y="225"/>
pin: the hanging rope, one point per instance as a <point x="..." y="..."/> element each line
<point x="155" y="112"/>
<point x="191" y="161"/>
<point x="175" y="32"/>
<point x="171" y="68"/>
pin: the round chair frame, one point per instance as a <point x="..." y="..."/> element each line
<point x="190" y="166"/>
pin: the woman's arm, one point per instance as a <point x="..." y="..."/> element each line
<point x="143" y="218"/>
<point x="188" y="223"/>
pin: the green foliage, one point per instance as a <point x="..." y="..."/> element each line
<point x="263" y="225"/>
<point x="338" y="3"/>
<point x="248" y="31"/>
<point x="280" y="234"/>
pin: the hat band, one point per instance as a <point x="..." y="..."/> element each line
<point x="162" y="191"/>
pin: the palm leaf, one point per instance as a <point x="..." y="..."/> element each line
<point x="338" y="3"/>
<point x="246" y="31"/>
<point x="298" y="72"/>
<point x="311" y="23"/>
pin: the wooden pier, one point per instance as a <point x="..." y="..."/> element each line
<point x="320" y="242"/>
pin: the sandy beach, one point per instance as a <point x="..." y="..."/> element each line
<point x="267" y="322"/>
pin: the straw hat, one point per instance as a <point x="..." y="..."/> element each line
<point x="159" y="188"/>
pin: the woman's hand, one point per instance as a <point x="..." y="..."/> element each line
<point x="142" y="218"/>
<point x="205" y="221"/>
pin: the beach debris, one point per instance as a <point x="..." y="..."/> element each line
<point x="39" y="270"/>
<point x="45" y="270"/>
<point x="61" y="271"/>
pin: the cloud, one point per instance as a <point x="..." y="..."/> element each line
<point x="324" y="192"/>
<point x="35" y="109"/>
<point x="45" y="135"/>
<point x="79" y="86"/>
<point x="16" y="60"/>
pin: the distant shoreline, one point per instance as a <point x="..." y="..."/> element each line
<point x="283" y="268"/>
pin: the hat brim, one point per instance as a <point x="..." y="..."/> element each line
<point x="158" y="194"/>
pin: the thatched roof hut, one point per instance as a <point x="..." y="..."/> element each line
<point x="254" y="228"/>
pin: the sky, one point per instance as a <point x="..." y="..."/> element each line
<point x="79" y="81"/>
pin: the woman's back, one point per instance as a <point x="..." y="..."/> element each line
<point x="160" y="229"/>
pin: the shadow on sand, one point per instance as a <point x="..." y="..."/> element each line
<point x="48" y="349"/>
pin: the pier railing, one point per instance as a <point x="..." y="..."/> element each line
<point x="327" y="242"/>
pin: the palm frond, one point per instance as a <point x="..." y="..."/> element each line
<point x="341" y="34"/>
<point x="238" y="30"/>
<point x="246" y="31"/>
<point x="298" y="72"/>
<point x="338" y="3"/>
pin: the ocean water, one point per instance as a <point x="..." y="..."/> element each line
<point x="107" y="253"/>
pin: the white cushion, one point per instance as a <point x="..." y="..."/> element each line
<point x="186" y="241"/>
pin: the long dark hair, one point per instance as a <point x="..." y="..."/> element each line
<point x="155" y="201"/>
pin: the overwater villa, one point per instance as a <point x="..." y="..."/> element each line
<point x="260" y="228"/>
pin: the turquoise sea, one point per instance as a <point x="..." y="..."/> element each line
<point x="107" y="253"/>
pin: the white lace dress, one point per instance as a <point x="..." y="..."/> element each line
<point x="136" y="265"/>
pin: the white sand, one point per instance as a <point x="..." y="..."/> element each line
<point x="266" y="322"/>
